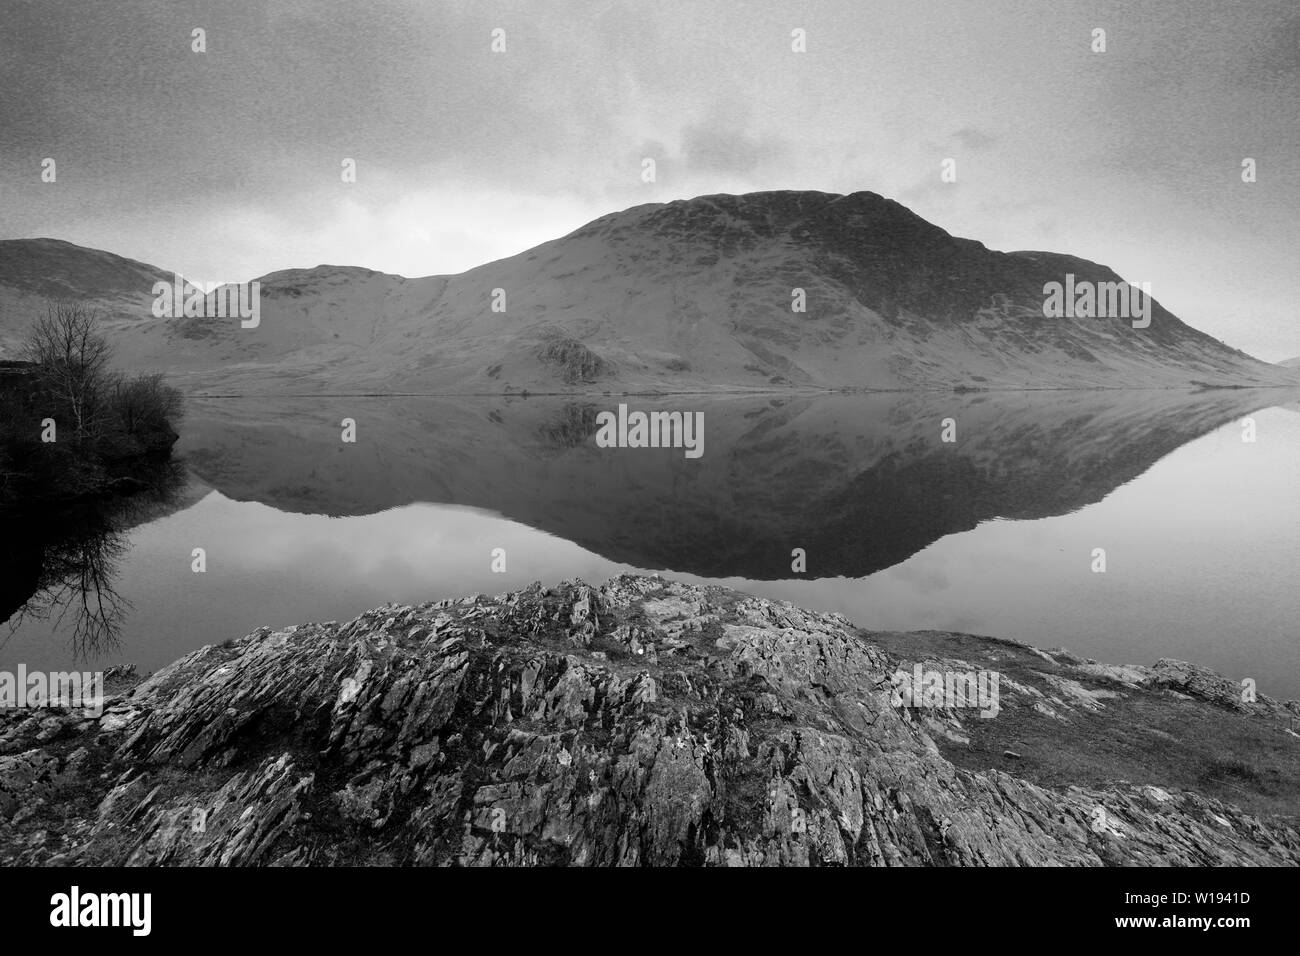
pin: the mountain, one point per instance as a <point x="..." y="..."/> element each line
<point x="689" y="295"/>
<point x="1291" y="362"/>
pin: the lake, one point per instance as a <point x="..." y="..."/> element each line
<point x="996" y="531"/>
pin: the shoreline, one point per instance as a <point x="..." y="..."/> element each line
<point x="1195" y="389"/>
<point x="647" y="721"/>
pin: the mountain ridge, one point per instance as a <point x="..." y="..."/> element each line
<point x="694" y="294"/>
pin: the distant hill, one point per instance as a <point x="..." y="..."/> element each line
<point x="689" y="295"/>
<point x="1291" y="362"/>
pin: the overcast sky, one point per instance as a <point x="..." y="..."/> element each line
<point x="225" y="165"/>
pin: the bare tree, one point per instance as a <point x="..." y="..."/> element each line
<point x="145" y="402"/>
<point x="72" y="356"/>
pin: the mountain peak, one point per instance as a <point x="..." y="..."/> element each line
<point x="762" y="213"/>
<point x="58" y="269"/>
<point x="776" y="289"/>
<point x="321" y="273"/>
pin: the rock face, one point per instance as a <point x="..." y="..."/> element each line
<point x="644" y="722"/>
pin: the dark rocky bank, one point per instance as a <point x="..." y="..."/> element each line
<point x="644" y="722"/>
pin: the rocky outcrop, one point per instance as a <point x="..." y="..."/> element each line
<point x="641" y="722"/>
<point x="572" y="361"/>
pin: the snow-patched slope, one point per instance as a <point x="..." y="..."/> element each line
<point x="694" y="294"/>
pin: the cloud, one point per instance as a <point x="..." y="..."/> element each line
<point x="722" y="144"/>
<point x="228" y="162"/>
<point x="1280" y="57"/>
<point x="974" y="138"/>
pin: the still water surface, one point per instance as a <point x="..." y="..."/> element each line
<point x="992" y="534"/>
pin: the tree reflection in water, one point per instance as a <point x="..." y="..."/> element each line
<point x="59" y="562"/>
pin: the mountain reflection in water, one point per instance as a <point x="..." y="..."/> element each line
<point x="990" y="533"/>
<point x="860" y="482"/>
